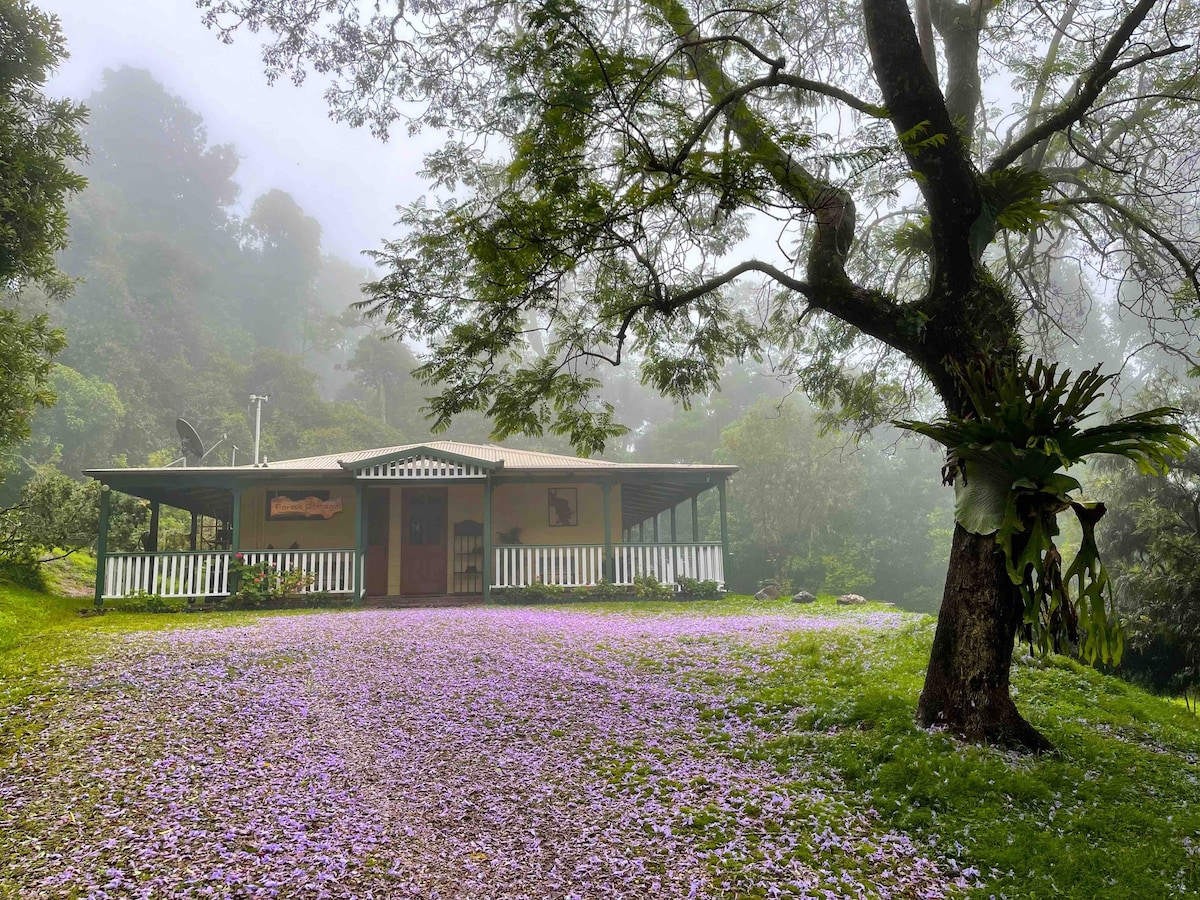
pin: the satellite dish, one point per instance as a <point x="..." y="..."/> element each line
<point x="189" y="440"/>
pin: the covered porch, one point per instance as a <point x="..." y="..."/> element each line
<point x="422" y="520"/>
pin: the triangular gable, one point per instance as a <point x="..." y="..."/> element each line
<point x="415" y="463"/>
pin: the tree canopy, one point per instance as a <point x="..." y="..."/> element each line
<point x="611" y="170"/>
<point x="605" y="163"/>
<point x="39" y="142"/>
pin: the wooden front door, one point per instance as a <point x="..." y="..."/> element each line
<point x="375" y="562"/>
<point x="423" y="558"/>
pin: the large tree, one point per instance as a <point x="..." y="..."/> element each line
<point x="39" y="141"/>
<point x="605" y="163"/>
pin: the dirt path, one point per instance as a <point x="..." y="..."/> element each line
<point x="481" y="753"/>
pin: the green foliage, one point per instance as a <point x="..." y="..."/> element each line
<point x="23" y="571"/>
<point x="27" y="346"/>
<point x="1111" y="814"/>
<point x="81" y="429"/>
<point x="537" y="592"/>
<point x="56" y="514"/>
<point x="644" y="588"/>
<point x="917" y="139"/>
<point x="39" y="141"/>
<point x="1151" y="543"/>
<point x="647" y="587"/>
<point x="694" y="589"/>
<point x="1005" y="458"/>
<point x="1013" y="198"/>
<point x="793" y="494"/>
<point x="262" y="582"/>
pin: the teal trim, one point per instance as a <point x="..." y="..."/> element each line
<point x="640" y="475"/>
<point x="487" y="540"/>
<point x="102" y="543"/>
<point x="569" y="546"/>
<point x="724" y="529"/>
<point x="609" y="567"/>
<point x="235" y="525"/>
<point x="235" y="534"/>
<point x="360" y="543"/>
<point x="165" y="553"/>
<point x="154" y="511"/>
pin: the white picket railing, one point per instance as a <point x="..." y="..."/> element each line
<point x="206" y="574"/>
<point x="569" y="566"/>
<point x="582" y="565"/>
<point x="199" y="574"/>
<point x="668" y="562"/>
<point x="332" y="571"/>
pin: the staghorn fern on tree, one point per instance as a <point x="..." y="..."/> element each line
<point x="1006" y="463"/>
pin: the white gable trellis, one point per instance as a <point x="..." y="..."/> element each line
<point x="422" y="466"/>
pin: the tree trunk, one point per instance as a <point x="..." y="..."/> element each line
<point x="967" y="683"/>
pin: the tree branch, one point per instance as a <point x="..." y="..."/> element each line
<point x="1087" y="89"/>
<point x="1143" y="225"/>
<point x="933" y="145"/>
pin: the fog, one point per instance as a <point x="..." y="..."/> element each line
<point x="348" y="180"/>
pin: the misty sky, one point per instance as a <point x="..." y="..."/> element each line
<point x="346" y="179"/>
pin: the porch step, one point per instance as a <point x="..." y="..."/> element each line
<point x="433" y="600"/>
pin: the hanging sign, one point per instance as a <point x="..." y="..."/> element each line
<point x="304" y="508"/>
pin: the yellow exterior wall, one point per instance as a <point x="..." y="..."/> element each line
<point x="526" y="506"/>
<point x="336" y="533"/>
<point x="522" y="505"/>
<point x="463" y="501"/>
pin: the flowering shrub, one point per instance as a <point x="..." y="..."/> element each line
<point x="693" y="589"/>
<point x="253" y="584"/>
<point x="647" y="587"/>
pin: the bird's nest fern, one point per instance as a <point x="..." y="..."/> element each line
<point x="1007" y="462"/>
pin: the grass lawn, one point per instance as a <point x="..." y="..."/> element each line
<point x="733" y="749"/>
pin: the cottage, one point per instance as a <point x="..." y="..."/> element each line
<point x="421" y="520"/>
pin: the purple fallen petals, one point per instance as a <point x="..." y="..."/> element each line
<point x="478" y="753"/>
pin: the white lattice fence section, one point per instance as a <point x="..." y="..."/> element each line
<point x="331" y="571"/>
<point x="418" y="467"/>
<point x="201" y="574"/>
<point x="568" y="566"/>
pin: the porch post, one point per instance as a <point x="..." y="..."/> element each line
<point x="674" y="549"/>
<point x="235" y="533"/>
<point x="655" y="528"/>
<point x="102" y="543"/>
<point x="154" y="510"/>
<point x="608" y="553"/>
<point x="696" y="518"/>
<point x="235" y="527"/>
<point x="642" y="531"/>
<point x="724" y="529"/>
<point x="360" y="534"/>
<point x="487" y="539"/>
<point x="192" y="533"/>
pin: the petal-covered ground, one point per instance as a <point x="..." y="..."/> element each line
<point x="460" y="753"/>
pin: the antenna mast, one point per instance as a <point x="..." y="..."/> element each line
<point x="258" y="399"/>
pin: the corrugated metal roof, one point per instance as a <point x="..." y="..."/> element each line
<point x="512" y="459"/>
